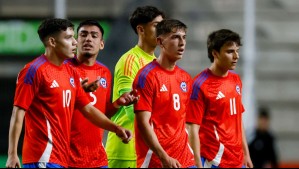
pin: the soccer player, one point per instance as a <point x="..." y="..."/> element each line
<point x="143" y="21"/>
<point x="47" y="93"/>
<point x="214" y="114"/>
<point x="86" y="138"/>
<point x="164" y="88"/>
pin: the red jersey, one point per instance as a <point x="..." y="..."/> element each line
<point x="87" y="150"/>
<point x="165" y="94"/>
<point x="216" y="105"/>
<point x="49" y="94"/>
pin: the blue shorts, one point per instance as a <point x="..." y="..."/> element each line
<point x="206" y="164"/>
<point x="42" y="165"/>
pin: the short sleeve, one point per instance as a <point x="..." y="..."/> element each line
<point x="145" y="87"/>
<point x="196" y="107"/>
<point x="26" y="87"/>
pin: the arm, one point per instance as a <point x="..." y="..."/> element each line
<point x="16" y="124"/>
<point x="127" y="99"/>
<point x="99" y="119"/>
<point x="150" y="138"/>
<point x="194" y="141"/>
<point x="247" y="159"/>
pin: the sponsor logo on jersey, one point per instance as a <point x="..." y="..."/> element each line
<point x="163" y="88"/>
<point x="54" y="84"/>
<point x="220" y="95"/>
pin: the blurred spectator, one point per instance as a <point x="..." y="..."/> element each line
<point x="262" y="148"/>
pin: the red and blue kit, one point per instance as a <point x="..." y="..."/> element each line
<point x="86" y="138"/>
<point x="216" y="105"/>
<point x="49" y="94"/>
<point x="165" y="94"/>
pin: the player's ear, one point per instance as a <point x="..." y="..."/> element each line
<point x="51" y="41"/>
<point x="102" y="44"/>
<point x="215" y="54"/>
<point x="140" y="29"/>
<point x="159" y="41"/>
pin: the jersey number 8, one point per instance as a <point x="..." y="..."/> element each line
<point x="176" y="102"/>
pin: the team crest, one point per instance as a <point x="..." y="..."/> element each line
<point x="184" y="86"/>
<point x="103" y="82"/>
<point x="72" y="81"/>
<point x="238" y="89"/>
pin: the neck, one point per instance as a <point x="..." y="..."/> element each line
<point x="218" y="71"/>
<point x="165" y="63"/>
<point x="86" y="60"/>
<point x="146" y="47"/>
<point x="53" y="57"/>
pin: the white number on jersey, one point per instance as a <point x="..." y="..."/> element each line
<point x="176" y="102"/>
<point x="233" y="109"/>
<point x="94" y="98"/>
<point x="66" y="97"/>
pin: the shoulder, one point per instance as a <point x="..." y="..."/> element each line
<point x="201" y="78"/>
<point x="30" y="70"/>
<point x="146" y="73"/>
<point x="102" y="66"/>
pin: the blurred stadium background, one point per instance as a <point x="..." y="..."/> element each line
<point x="268" y="64"/>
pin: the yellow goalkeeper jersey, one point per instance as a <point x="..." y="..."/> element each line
<point x="125" y="71"/>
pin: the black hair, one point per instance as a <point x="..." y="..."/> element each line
<point x="219" y="38"/>
<point x="143" y="15"/>
<point x="166" y="26"/>
<point x="91" y="22"/>
<point x="52" y="26"/>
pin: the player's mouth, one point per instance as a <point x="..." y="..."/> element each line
<point x="181" y="51"/>
<point x="87" y="46"/>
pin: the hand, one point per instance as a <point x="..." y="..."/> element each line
<point x="127" y="98"/>
<point x="170" y="162"/>
<point x="13" y="162"/>
<point x="124" y="134"/>
<point x="91" y="87"/>
<point x="248" y="162"/>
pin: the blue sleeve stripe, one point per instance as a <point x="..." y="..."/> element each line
<point x="197" y="84"/>
<point x="32" y="70"/>
<point x="144" y="73"/>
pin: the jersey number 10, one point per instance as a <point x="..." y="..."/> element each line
<point x="66" y="98"/>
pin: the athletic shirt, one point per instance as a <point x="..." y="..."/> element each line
<point x="49" y="94"/>
<point x="125" y="71"/>
<point x="87" y="149"/>
<point x="216" y="105"/>
<point x="165" y="94"/>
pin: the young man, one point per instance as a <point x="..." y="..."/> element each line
<point x="216" y="107"/>
<point x="143" y="21"/>
<point x="164" y="88"/>
<point x="86" y="138"/>
<point x="46" y="95"/>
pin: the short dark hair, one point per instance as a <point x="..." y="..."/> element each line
<point x="52" y="26"/>
<point x="263" y="112"/>
<point x="91" y="22"/>
<point x="166" y="26"/>
<point x="143" y="15"/>
<point x="219" y="38"/>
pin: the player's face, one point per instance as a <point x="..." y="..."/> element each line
<point x="149" y="35"/>
<point x="228" y="56"/>
<point x="173" y="44"/>
<point x="90" y="41"/>
<point x="65" y="43"/>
